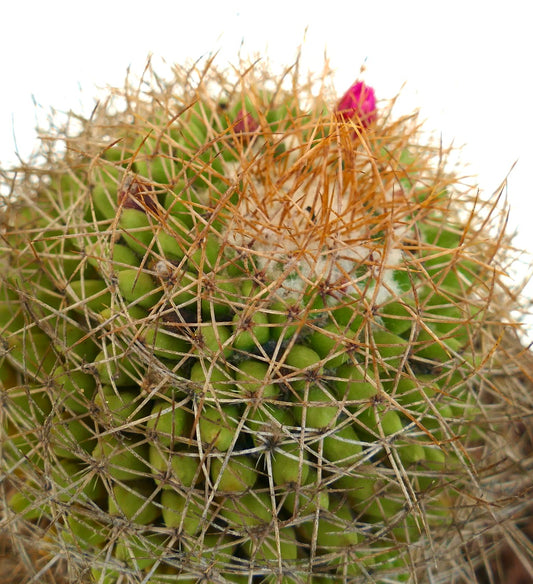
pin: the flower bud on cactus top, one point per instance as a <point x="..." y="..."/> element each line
<point x="359" y="104"/>
<point x="251" y="334"/>
<point x="244" y="122"/>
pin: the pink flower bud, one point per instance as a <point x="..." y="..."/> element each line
<point x="244" y="123"/>
<point x="358" y="103"/>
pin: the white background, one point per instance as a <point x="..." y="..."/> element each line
<point x="466" y="65"/>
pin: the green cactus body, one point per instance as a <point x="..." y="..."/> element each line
<point x="254" y="338"/>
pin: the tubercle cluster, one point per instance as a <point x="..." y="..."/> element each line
<point x="246" y="341"/>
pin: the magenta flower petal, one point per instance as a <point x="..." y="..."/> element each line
<point x="358" y="103"/>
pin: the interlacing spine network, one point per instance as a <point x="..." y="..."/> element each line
<point x="254" y="333"/>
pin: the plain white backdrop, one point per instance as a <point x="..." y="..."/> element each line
<point x="466" y="65"/>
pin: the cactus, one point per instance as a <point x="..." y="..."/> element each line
<point x="252" y="333"/>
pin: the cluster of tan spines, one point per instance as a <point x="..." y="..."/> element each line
<point x="353" y="247"/>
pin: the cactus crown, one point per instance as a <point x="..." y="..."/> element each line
<point x="252" y="332"/>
